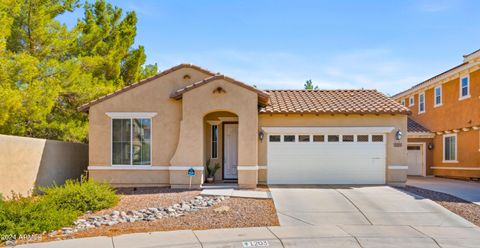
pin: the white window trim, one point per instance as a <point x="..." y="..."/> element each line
<point x="403" y="102"/>
<point x="411" y="101"/>
<point x="420" y="103"/>
<point x="124" y="115"/>
<point x="460" y="97"/>
<point x="211" y="141"/>
<point x="435" y="104"/>
<point x="456" y="148"/>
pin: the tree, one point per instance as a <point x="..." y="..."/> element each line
<point x="309" y="85"/>
<point x="47" y="71"/>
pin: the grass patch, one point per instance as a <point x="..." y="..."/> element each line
<point x="57" y="207"/>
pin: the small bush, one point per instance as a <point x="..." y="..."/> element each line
<point x="28" y="215"/>
<point x="57" y="208"/>
<point x="84" y="195"/>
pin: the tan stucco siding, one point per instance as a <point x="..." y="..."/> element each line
<point x="202" y="101"/>
<point x="395" y="155"/>
<point x="150" y="97"/>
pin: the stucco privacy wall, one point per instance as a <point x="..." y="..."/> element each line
<point x="28" y="162"/>
<point x="395" y="155"/>
<point x="202" y="101"/>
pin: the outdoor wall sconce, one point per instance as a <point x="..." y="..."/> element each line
<point x="261" y="135"/>
<point x="398" y="135"/>
<point x="430" y="146"/>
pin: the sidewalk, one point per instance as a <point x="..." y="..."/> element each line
<point x="469" y="191"/>
<point x="292" y="236"/>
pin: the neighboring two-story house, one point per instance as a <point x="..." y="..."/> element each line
<point x="443" y="129"/>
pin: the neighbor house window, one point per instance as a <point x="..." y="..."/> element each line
<point x="464" y="87"/>
<point x="438" y="96"/>
<point x="131" y="141"/>
<point x="421" y="103"/>
<point x="411" y="101"/>
<point x="214" y="141"/>
<point x="450" y="148"/>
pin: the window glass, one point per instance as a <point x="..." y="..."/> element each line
<point x="377" y="138"/>
<point x="412" y="101"/>
<point x="362" y="138"/>
<point x="318" y="138"/>
<point x="303" y="138"/>
<point x="402" y="102"/>
<point x="121" y="141"/>
<point x="421" y="102"/>
<point x="333" y="138"/>
<point x="449" y="146"/>
<point x="347" y="138"/>
<point x="413" y="148"/>
<point x="289" y="138"/>
<point x="214" y="141"/>
<point x="274" y="138"/>
<point x="465" y="90"/>
<point x="438" y="96"/>
<point x="141" y="141"/>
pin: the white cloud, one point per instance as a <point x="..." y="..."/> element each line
<point x="376" y="68"/>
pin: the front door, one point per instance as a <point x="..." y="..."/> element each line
<point x="415" y="160"/>
<point x="230" y="151"/>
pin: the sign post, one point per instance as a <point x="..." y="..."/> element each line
<point x="190" y="174"/>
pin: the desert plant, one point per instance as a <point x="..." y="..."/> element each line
<point x="82" y="195"/>
<point x="211" y="170"/>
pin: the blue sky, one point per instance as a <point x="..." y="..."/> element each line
<point x="386" y="45"/>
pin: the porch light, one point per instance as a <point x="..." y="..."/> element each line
<point x="261" y="135"/>
<point x="430" y="146"/>
<point x="398" y="135"/>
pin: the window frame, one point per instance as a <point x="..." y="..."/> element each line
<point x="411" y="101"/>
<point x="213" y="142"/>
<point x="461" y="88"/>
<point x="119" y="117"/>
<point x="435" y="104"/>
<point x="402" y="102"/>
<point x="456" y="148"/>
<point x="420" y="103"/>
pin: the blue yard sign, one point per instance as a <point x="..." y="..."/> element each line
<point x="191" y="172"/>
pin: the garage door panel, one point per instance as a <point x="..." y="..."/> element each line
<point x="326" y="162"/>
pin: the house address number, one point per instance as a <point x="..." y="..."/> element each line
<point x="257" y="243"/>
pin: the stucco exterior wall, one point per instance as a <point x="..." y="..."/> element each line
<point x="27" y="162"/>
<point x="395" y="155"/>
<point x="202" y="101"/>
<point x="150" y="97"/>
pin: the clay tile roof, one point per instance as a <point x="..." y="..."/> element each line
<point x="332" y="101"/>
<point x="415" y="127"/>
<point x="86" y="106"/>
<point x="262" y="95"/>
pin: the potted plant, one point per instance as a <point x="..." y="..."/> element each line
<point x="211" y="170"/>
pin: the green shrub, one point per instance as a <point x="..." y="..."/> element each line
<point x="57" y="208"/>
<point x="84" y="195"/>
<point x="28" y="215"/>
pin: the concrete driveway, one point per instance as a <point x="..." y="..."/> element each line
<point x="469" y="191"/>
<point x="374" y="205"/>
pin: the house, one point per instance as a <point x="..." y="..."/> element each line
<point x="152" y="132"/>
<point x="443" y="135"/>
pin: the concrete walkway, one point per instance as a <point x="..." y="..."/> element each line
<point x="293" y="236"/>
<point x="237" y="193"/>
<point x="469" y="191"/>
<point x="359" y="205"/>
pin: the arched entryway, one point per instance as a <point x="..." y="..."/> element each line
<point x="221" y="144"/>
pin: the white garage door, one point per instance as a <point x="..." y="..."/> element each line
<point x="328" y="158"/>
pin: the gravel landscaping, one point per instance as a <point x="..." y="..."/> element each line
<point x="163" y="209"/>
<point x="469" y="211"/>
